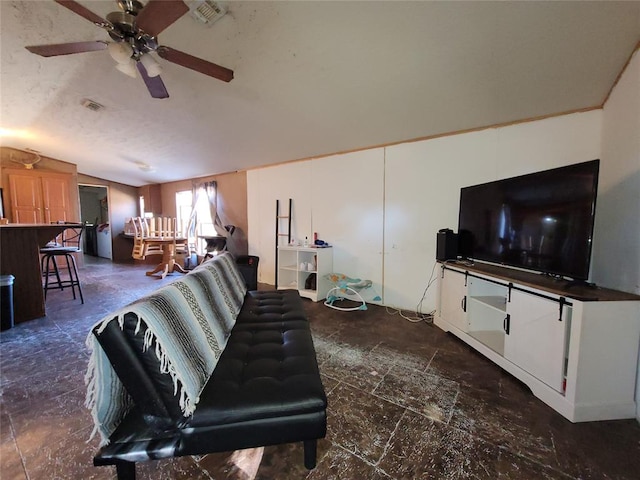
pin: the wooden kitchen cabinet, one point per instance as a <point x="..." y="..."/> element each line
<point x="42" y="197"/>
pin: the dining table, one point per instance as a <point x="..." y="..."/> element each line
<point x="20" y="245"/>
<point x="168" y="264"/>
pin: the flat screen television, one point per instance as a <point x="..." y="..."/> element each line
<point x="541" y="221"/>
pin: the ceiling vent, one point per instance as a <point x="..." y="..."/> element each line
<point x="91" y="105"/>
<point x="207" y="11"/>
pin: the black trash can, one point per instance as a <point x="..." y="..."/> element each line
<point x="6" y="301"/>
<point x="248" y="266"/>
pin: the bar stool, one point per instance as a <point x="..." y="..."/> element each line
<point x="70" y="244"/>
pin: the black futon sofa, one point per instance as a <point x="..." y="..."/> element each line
<point x="264" y="390"/>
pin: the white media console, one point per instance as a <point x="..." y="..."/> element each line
<point x="575" y="347"/>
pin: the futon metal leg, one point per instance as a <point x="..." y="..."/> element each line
<point x="126" y="470"/>
<point x="310" y="447"/>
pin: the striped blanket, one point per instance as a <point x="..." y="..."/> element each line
<point x="188" y="321"/>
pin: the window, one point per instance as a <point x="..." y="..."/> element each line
<point x="203" y="212"/>
<point x="142" y="212"/>
<point x="183" y="208"/>
<point x="204" y="223"/>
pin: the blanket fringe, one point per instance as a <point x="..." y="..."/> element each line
<point x="195" y="357"/>
<point x="91" y="398"/>
<point x="186" y="404"/>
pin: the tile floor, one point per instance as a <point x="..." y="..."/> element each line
<point x="406" y="401"/>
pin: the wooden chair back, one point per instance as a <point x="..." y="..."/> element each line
<point x="163" y="227"/>
<point x="141" y="248"/>
<point x="138" y="239"/>
<point x="180" y="242"/>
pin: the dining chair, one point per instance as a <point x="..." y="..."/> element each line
<point x="161" y="226"/>
<point x="138" y="240"/>
<point x="142" y="249"/>
<point x="180" y="242"/>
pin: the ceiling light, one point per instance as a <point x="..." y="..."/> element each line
<point x="145" y="167"/>
<point x="18" y="133"/>
<point x="121" y="52"/>
<point x="128" y="68"/>
<point x="152" y="67"/>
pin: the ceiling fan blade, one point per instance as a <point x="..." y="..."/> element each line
<point x="155" y="85"/>
<point x="195" y="63"/>
<point x="66" y="48"/>
<point x="75" y="7"/>
<point x="159" y="14"/>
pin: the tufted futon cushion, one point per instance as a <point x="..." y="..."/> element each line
<point x="265" y="306"/>
<point x="265" y="370"/>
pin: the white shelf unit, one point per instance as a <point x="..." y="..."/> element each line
<point x="577" y="352"/>
<point x="295" y="264"/>
<point x="487" y="310"/>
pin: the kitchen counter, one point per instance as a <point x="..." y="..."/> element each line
<point x="20" y="256"/>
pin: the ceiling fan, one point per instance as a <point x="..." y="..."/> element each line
<point x="134" y="31"/>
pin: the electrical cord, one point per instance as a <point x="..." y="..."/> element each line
<point x="418" y="317"/>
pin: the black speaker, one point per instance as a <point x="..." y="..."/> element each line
<point x="446" y="245"/>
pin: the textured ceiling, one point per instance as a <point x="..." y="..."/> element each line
<point x="311" y="78"/>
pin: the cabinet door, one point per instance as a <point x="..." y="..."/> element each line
<point x="26" y="198"/>
<point x="453" y="299"/>
<point x="535" y="340"/>
<point x="55" y="198"/>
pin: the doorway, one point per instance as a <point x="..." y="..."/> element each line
<point x="94" y="213"/>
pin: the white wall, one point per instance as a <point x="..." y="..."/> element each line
<point x="617" y="256"/>
<point x="424" y="180"/>
<point x="348" y="212"/>
<point x="264" y="187"/>
<point x="340" y="198"/>
<point x="395" y="199"/>
<point x="616" y="261"/>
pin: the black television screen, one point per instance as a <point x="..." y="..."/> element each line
<point x="541" y="221"/>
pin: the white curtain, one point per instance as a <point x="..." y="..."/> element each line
<point x="204" y="193"/>
<point x="211" y="190"/>
<point x="192" y="224"/>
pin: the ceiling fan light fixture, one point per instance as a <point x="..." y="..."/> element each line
<point x="128" y="68"/>
<point x="121" y="52"/>
<point x="151" y="65"/>
<point x="134" y="31"/>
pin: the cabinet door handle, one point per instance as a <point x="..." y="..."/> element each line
<point x="506" y="324"/>
<point x="463" y="303"/>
